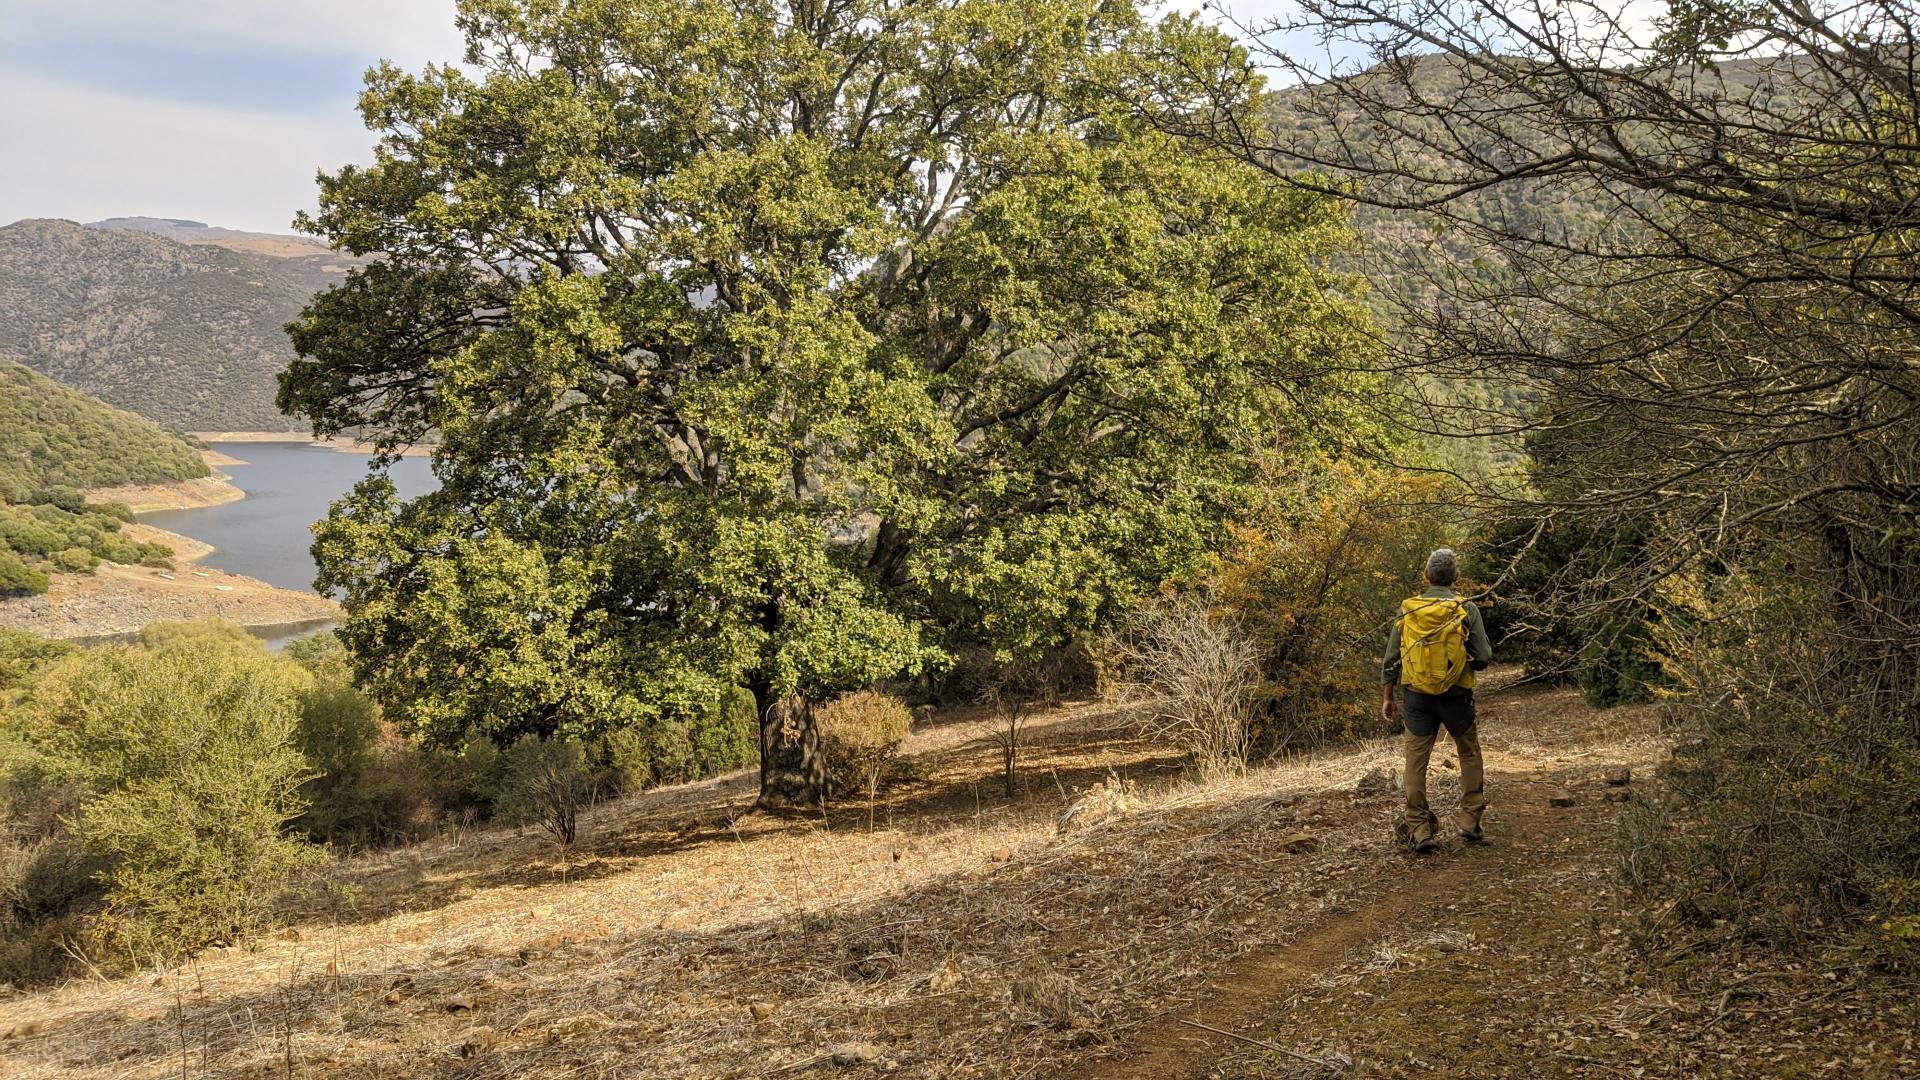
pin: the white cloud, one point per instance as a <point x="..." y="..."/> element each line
<point x="68" y="151"/>
<point x="411" y="32"/>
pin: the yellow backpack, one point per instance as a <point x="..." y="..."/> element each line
<point x="1433" y="644"/>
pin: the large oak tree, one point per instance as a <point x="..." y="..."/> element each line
<point x="793" y="345"/>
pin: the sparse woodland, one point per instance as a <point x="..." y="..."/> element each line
<point x="923" y="490"/>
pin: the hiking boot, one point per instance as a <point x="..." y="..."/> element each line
<point x="1426" y="847"/>
<point x="1473" y="835"/>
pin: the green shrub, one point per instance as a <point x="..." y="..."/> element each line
<point x="23" y="656"/>
<point x="674" y="750"/>
<point x="185" y="751"/>
<point x="546" y="782"/>
<point x="860" y="737"/>
<point x="373" y="787"/>
<point x="625" y="761"/>
<point x="472" y="779"/>
<point x="72" y="500"/>
<point x="19" y="579"/>
<point x="74" y="561"/>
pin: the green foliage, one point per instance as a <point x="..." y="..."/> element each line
<point x="720" y="737"/>
<point x="373" y="786"/>
<point x="19" y="579"/>
<point x="184" y="751"/>
<point x="55" y="442"/>
<point x="23" y="656"/>
<point x="1561" y="609"/>
<point x="1315" y="577"/>
<point x="65" y="535"/>
<point x="759" y="403"/>
<point x="860" y="734"/>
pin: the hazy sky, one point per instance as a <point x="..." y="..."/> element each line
<point x="216" y="110"/>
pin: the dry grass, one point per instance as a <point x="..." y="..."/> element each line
<point x="966" y="934"/>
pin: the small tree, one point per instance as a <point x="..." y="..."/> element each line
<point x="1017" y="690"/>
<point x="547" y="783"/>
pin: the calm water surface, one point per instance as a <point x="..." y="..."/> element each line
<point x="289" y="485"/>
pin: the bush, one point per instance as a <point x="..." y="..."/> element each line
<point x="72" y="500"/>
<point x="74" y="561"/>
<point x="860" y="737"/>
<point x="1196" y="676"/>
<point x="546" y="782"/>
<point x="185" y="752"/>
<point x="374" y="786"/>
<point x="672" y="750"/>
<point x="1793" y="803"/>
<point x="23" y="656"/>
<point x="1561" y="616"/>
<point x="19" y="579"/>
<point x="1313" y="582"/>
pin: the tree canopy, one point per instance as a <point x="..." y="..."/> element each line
<point x="793" y="346"/>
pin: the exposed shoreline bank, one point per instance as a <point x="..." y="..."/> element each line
<point x="118" y="600"/>
<point x="345" y="446"/>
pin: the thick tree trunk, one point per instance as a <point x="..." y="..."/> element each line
<point x="792" y="770"/>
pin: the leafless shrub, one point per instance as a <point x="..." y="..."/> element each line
<point x="1017" y="691"/>
<point x="1195" y="676"/>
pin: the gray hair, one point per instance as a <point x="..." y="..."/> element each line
<point x="1443" y="567"/>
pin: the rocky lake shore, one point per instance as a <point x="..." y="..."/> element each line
<point x="119" y="599"/>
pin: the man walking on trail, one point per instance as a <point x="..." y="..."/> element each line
<point x="1437" y="644"/>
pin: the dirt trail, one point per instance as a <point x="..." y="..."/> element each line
<point x="1262" y="983"/>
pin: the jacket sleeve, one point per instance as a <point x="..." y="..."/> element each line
<point x="1479" y="649"/>
<point x="1390" y="663"/>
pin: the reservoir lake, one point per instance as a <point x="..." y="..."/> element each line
<point x="267" y="535"/>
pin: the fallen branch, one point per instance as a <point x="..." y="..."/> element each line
<point x="1262" y="1044"/>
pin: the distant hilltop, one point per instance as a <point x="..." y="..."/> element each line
<point x="188" y="231"/>
<point x="175" y="320"/>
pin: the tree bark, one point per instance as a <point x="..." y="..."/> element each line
<point x="792" y="770"/>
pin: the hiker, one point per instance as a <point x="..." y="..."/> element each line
<point x="1437" y="643"/>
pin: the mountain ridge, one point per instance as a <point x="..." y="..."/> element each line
<point x="190" y="336"/>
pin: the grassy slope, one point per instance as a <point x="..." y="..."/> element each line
<point x="51" y="436"/>
<point x="967" y="934"/>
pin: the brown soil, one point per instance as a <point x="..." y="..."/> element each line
<point x="118" y="599"/>
<point x="179" y="495"/>
<point x="969" y="933"/>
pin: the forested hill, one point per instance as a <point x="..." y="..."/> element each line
<point x="187" y="335"/>
<point x="1399" y="250"/>
<point x="52" y="437"/>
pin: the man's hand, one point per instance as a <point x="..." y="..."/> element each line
<point x="1387" y="706"/>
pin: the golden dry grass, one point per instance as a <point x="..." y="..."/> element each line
<point x="965" y="935"/>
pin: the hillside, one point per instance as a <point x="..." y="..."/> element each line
<point x="52" y="436"/>
<point x="182" y="230"/>
<point x="187" y="335"/>
<point x="54" y="443"/>
<point x="966" y="934"/>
